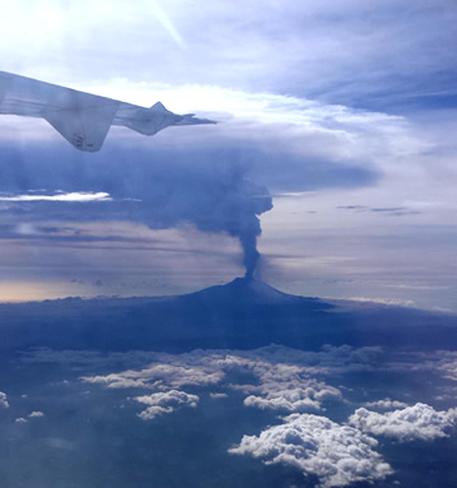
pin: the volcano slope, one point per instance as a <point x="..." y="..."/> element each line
<point x="243" y="314"/>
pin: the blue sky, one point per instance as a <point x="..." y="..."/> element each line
<point x="342" y="111"/>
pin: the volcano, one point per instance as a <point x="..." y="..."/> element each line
<point x="245" y="313"/>
<point x="246" y="292"/>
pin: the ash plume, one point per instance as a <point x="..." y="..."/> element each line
<point x="250" y="253"/>
<point x="245" y="202"/>
<point x="237" y="212"/>
<point x="166" y="193"/>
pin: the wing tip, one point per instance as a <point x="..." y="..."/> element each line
<point x="190" y="119"/>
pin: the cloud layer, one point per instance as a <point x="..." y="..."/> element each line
<point x="331" y="426"/>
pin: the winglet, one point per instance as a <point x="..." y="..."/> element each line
<point x="159" y="107"/>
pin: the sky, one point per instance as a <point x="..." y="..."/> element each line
<point x="336" y="128"/>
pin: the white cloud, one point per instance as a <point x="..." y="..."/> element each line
<point x="418" y="422"/>
<point x="338" y="455"/>
<point x="218" y="395"/>
<point x="4" y="400"/>
<point x="81" y="197"/>
<point x="328" y="47"/>
<point x="386" y="404"/>
<point x="275" y="377"/>
<point x="35" y="414"/>
<point x="282" y="378"/>
<point x="165" y="402"/>
<point x="383" y="301"/>
<point x="21" y="420"/>
<point x="294" y="395"/>
<point x="172" y="372"/>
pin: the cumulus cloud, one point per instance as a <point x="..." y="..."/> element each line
<point x="280" y="378"/>
<point x="171" y="373"/>
<point x="417" y="422"/>
<point x="338" y="454"/>
<point x="165" y="402"/>
<point x="293" y="395"/>
<point x="35" y="414"/>
<point x="4" y="400"/>
<point x="275" y="378"/>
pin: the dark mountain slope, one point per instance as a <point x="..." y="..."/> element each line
<point x="244" y="313"/>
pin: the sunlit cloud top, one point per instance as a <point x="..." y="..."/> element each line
<point x="58" y="197"/>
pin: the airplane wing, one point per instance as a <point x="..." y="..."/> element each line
<point x="81" y="118"/>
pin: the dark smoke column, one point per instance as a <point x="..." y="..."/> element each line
<point x="250" y="253"/>
<point x="253" y="200"/>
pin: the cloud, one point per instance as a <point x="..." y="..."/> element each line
<point x="275" y="378"/>
<point x="81" y="197"/>
<point x="417" y="422"/>
<point x="375" y="53"/>
<point x="383" y="301"/>
<point x="4" y="400"/>
<point x="338" y="455"/>
<point x="399" y="211"/>
<point x="284" y="380"/>
<point x="440" y="362"/>
<point x="165" y="402"/>
<point x="198" y="364"/>
<point x="218" y="395"/>
<point x="35" y="414"/>
<point x="217" y="179"/>
<point x="281" y="378"/>
<point x="386" y="404"/>
<point x="285" y="388"/>
<point x="171" y="192"/>
<point x="169" y="373"/>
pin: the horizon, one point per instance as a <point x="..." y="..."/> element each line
<point x="341" y="301"/>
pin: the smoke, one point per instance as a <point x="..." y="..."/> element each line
<point x="255" y="201"/>
<point x="215" y="197"/>
<point x="250" y="253"/>
<point x="240" y="204"/>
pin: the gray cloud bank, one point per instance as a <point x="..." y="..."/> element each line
<point x="378" y="54"/>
